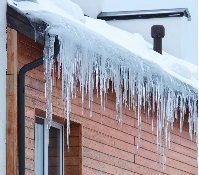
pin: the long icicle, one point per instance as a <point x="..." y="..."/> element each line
<point x="133" y="87"/>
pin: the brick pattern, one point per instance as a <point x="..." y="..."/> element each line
<point x="106" y="146"/>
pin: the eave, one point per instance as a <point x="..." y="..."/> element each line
<point x="21" y="24"/>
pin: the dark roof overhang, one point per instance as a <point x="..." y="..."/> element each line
<point x="20" y="23"/>
<point x="145" y="14"/>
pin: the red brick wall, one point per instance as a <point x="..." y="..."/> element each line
<point x="106" y="147"/>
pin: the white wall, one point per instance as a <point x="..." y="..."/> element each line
<point x="91" y="7"/>
<point x="192" y="26"/>
<point x="174" y="42"/>
<point x="3" y="65"/>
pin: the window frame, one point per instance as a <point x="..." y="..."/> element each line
<point x="58" y="126"/>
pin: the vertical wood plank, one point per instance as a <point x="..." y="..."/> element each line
<point x="11" y="103"/>
<point x="80" y="151"/>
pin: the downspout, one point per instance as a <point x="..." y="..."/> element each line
<point x="21" y="104"/>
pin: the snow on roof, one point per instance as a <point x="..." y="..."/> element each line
<point x="135" y="43"/>
<point x="92" y="49"/>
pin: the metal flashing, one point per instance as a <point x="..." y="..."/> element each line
<point x="145" y="14"/>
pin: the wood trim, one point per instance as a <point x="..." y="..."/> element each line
<point x="55" y="118"/>
<point x="11" y="103"/>
<point x="80" y="151"/>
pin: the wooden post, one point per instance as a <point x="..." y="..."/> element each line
<point x="11" y="103"/>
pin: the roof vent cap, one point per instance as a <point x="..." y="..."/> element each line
<point x="157" y="31"/>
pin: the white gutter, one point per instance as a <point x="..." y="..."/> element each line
<point x="3" y="65"/>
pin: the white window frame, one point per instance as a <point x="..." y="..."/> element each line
<point x="45" y="145"/>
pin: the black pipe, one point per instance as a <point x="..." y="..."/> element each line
<point x="21" y="105"/>
<point x="157" y="33"/>
<point x="21" y="111"/>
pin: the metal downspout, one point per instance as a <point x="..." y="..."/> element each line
<point x="21" y="105"/>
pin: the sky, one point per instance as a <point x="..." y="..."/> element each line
<point x="192" y="5"/>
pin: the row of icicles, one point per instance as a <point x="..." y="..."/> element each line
<point x="133" y="90"/>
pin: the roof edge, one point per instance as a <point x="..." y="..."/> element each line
<point x="145" y="14"/>
<point x="21" y="24"/>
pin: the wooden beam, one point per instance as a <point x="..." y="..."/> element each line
<point x="55" y="118"/>
<point x="11" y="103"/>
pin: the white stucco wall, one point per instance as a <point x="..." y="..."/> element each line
<point x="3" y="65"/>
<point x="175" y="41"/>
<point x="190" y="29"/>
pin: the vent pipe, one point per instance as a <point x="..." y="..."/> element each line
<point x="157" y="33"/>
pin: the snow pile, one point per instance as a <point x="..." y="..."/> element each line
<point x="63" y="8"/>
<point x="95" y="54"/>
<point x="181" y="69"/>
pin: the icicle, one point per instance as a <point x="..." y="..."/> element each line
<point x="139" y="102"/>
<point x="135" y="85"/>
<point x="68" y="115"/>
<point x="33" y="24"/>
<point x="48" y="68"/>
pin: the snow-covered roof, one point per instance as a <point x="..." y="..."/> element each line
<point x="135" y="43"/>
<point x="92" y="49"/>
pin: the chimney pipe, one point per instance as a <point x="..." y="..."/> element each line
<point x="157" y="33"/>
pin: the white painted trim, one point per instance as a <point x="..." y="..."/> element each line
<point x="3" y="65"/>
<point x="46" y="143"/>
<point x="39" y="128"/>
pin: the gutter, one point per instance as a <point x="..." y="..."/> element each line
<point x="21" y="104"/>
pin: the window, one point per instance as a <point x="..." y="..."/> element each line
<point x="49" y="148"/>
